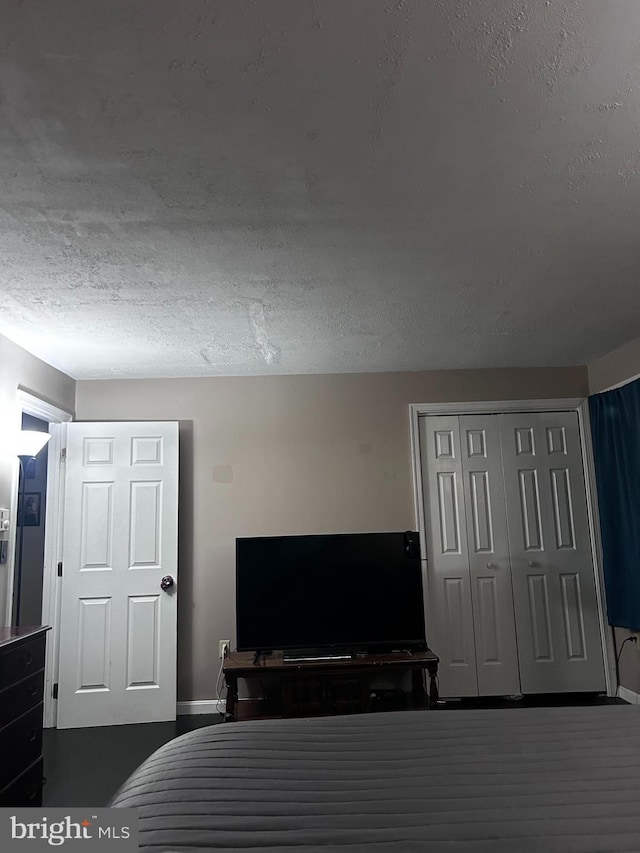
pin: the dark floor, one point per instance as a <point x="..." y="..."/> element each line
<point x="85" y="767"/>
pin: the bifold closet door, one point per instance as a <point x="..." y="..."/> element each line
<point x="449" y="614"/>
<point x="489" y="559"/>
<point x="469" y="604"/>
<point x="559" y="644"/>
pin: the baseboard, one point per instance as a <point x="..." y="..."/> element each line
<point x="198" y="706"/>
<point x="628" y="695"/>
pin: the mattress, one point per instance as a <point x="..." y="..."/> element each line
<point x="443" y="781"/>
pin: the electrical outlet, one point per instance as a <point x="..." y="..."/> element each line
<point x="223" y="646"/>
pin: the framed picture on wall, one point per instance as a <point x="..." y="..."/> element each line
<point x="32" y="502"/>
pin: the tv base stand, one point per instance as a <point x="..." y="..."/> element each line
<point x="305" y="688"/>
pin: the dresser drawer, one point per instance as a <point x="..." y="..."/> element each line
<point x="17" y="699"/>
<point x="26" y="790"/>
<point x="17" y="662"/>
<point x="20" y="744"/>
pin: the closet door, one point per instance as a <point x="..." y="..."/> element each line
<point x="448" y="588"/>
<point x="489" y="560"/>
<point x="559" y="645"/>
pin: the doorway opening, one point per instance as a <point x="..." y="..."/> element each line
<point x="30" y="528"/>
<point x="34" y="594"/>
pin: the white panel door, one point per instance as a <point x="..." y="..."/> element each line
<point x="559" y="643"/>
<point x="118" y="623"/>
<point x="489" y="560"/>
<point x="448" y="586"/>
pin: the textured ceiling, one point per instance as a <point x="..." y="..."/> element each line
<point x="299" y="186"/>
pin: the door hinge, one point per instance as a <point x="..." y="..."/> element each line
<point x="63" y="454"/>
<point x="54" y="692"/>
<point x="60" y="569"/>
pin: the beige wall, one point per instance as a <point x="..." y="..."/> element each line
<point x="18" y="368"/>
<point x="287" y="455"/>
<point x="618" y="366"/>
<point x="629" y="661"/>
<point x="615" y="367"/>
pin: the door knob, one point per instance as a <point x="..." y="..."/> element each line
<point x="532" y="564"/>
<point x="166" y="582"/>
<point x="491" y="566"/>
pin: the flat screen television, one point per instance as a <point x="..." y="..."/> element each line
<point x="361" y="591"/>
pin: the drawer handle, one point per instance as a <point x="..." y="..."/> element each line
<point x="33" y="734"/>
<point x="33" y="791"/>
<point x="32" y="691"/>
<point x="27" y="659"/>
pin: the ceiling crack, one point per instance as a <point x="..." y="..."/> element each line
<point x="268" y="351"/>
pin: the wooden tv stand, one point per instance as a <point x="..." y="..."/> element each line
<point x="305" y="688"/>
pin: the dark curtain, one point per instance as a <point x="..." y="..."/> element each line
<point x="615" y="427"/>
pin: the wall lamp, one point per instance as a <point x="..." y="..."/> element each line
<point x="30" y="443"/>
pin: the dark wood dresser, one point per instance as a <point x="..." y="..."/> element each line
<point x="22" y="657"/>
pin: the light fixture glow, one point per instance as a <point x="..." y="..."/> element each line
<point x="30" y="442"/>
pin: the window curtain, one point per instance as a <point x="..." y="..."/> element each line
<point x="615" y="428"/>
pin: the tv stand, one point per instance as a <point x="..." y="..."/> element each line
<point x="311" y="687"/>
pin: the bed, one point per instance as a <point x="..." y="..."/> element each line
<point x="445" y="781"/>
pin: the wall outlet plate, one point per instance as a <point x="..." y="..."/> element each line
<point x="5" y="524"/>
<point x="221" y="647"/>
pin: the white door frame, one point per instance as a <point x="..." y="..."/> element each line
<point x="57" y="419"/>
<point x="573" y="404"/>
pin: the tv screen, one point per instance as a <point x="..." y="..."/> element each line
<point x="356" y="590"/>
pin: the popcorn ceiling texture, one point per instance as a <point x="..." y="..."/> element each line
<point x="314" y="186"/>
